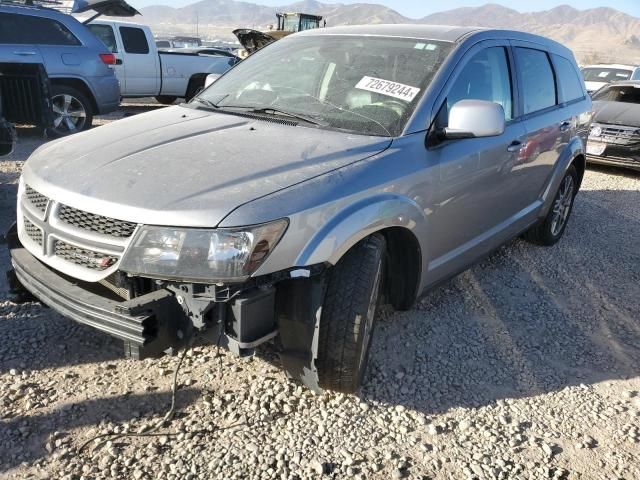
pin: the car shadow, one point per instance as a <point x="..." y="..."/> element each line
<point x="29" y="435"/>
<point x="518" y="324"/>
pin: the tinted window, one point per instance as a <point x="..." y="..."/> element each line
<point x="25" y="29"/>
<point x="485" y="77"/>
<point x="106" y="35"/>
<point x="619" y="93"/>
<point x="608" y="75"/>
<point x="538" y="82"/>
<point x="568" y="80"/>
<point x="134" y="40"/>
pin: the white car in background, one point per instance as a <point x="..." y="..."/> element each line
<point x="597" y="76"/>
<point x="144" y="71"/>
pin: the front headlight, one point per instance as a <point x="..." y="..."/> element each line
<point x="198" y="255"/>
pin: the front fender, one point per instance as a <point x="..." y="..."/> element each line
<point x="574" y="149"/>
<point x="358" y="221"/>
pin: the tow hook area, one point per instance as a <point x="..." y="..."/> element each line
<point x="239" y="321"/>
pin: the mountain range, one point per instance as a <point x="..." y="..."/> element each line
<point x="599" y="34"/>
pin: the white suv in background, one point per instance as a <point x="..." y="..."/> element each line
<point x="597" y="76"/>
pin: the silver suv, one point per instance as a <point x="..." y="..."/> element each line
<point x="329" y="172"/>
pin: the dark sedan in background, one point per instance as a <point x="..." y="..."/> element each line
<point x="615" y="133"/>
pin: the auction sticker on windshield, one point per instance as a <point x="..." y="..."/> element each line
<point x="390" y="89"/>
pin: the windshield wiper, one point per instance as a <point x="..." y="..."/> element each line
<point x="277" y="111"/>
<point x="206" y="102"/>
<point x="261" y="110"/>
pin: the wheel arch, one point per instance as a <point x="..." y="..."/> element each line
<point x="194" y="81"/>
<point x="402" y="223"/>
<point x="79" y="85"/>
<point x="573" y="154"/>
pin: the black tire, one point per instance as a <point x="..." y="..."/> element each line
<point x="550" y="230"/>
<point x="72" y="111"/>
<point x="348" y="315"/>
<point x="166" y="99"/>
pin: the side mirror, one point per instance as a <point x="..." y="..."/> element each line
<point x="475" y="119"/>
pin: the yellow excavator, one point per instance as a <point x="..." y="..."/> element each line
<point x="288" y="23"/>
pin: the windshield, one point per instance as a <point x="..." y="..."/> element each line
<point x="607" y="75"/>
<point x="624" y="94"/>
<point x="365" y="85"/>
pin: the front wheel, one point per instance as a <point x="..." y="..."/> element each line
<point x="551" y="229"/>
<point x="72" y="111"/>
<point x="348" y="316"/>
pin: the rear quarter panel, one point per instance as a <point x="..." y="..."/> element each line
<point x="178" y="68"/>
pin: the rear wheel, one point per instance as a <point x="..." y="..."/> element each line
<point x="166" y="99"/>
<point x="551" y="229"/>
<point x="72" y="111"/>
<point x="349" y="314"/>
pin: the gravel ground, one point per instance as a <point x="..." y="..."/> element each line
<point x="525" y="367"/>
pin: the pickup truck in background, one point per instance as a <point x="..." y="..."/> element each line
<point x="144" y="71"/>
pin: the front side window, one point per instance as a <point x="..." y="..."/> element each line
<point x="134" y="40"/>
<point x="607" y="75"/>
<point x="538" y="80"/>
<point x="486" y="76"/>
<point x="618" y="93"/>
<point x="30" y="30"/>
<point x="106" y="35"/>
<point x="365" y="85"/>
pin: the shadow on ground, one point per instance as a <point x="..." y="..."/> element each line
<point x="526" y="321"/>
<point x="38" y="428"/>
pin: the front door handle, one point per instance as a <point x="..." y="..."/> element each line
<point x="564" y="126"/>
<point x="25" y="53"/>
<point x="515" y="146"/>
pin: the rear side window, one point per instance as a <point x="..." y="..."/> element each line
<point x="106" y="35"/>
<point x="485" y="77"/>
<point x="134" y="40"/>
<point x="538" y="81"/>
<point x="26" y="29"/>
<point x="568" y="80"/>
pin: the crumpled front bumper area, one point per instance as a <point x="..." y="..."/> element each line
<point x="149" y="325"/>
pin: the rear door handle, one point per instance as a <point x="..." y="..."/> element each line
<point x="25" y="53"/>
<point x="119" y="61"/>
<point x="564" y="126"/>
<point x="515" y="146"/>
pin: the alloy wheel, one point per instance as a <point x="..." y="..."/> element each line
<point x="69" y="114"/>
<point x="368" y="321"/>
<point x="562" y="205"/>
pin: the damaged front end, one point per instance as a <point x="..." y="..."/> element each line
<point x="155" y="316"/>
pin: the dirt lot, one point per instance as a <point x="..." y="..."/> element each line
<point x="525" y="367"/>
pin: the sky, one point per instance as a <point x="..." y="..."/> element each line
<point x="421" y="8"/>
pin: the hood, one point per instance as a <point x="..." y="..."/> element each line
<point x="186" y="167"/>
<point x="617" y="113"/>
<point x="109" y="8"/>
<point x="253" y="40"/>
<point x="594" y="86"/>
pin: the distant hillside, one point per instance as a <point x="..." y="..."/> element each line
<point x="600" y="34"/>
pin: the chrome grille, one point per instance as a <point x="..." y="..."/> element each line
<point x="33" y="232"/>
<point x="620" y="135"/>
<point x="96" y="223"/>
<point x="36" y="199"/>
<point x="83" y="257"/>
